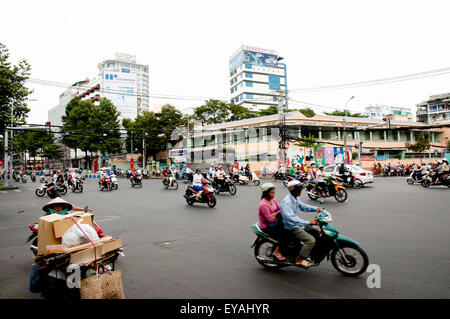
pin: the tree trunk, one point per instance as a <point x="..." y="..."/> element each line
<point x="86" y="164"/>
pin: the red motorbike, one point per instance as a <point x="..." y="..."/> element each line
<point x="104" y="183"/>
<point x="302" y="178"/>
<point x="207" y="195"/>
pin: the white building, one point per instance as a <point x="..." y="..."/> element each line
<point x="396" y="113"/>
<point x="255" y="77"/>
<point x="436" y="109"/>
<point x="126" y="84"/>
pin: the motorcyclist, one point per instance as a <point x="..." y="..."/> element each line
<point x="342" y="171"/>
<point x="247" y="172"/>
<point x="212" y="171"/>
<point x="291" y="206"/>
<point x="167" y="173"/>
<point x="220" y="176"/>
<point x="443" y="169"/>
<point x="197" y="182"/>
<point x="320" y="181"/>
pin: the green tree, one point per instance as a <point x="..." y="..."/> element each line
<point x="345" y="113"/>
<point x="13" y="92"/>
<point x="215" y="111"/>
<point x="32" y="141"/>
<point x="271" y="110"/>
<point x="422" y="143"/>
<point x="52" y="151"/>
<point x="308" y="112"/>
<point x="309" y="142"/>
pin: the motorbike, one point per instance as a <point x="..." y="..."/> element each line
<point x="77" y="186"/>
<point x="42" y="179"/>
<point x="207" y="195"/>
<point x="333" y="189"/>
<point x="412" y="179"/>
<point x="34" y="234"/>
<point x="302" y="178"/>
<point x="33" y="177"/>
<point x="186" y="178"/>
<point x="104" y="183"/>
<point x="350" y="180"/>
<point x="226" y="186"/>
<point x="170" y="182"/>
<point x="24" y="178"/>
<point x="443" y="180"/>
<point x="244" y="180"/>
<point x="51" y="191"/>
<point x="136" y="181"/>
<point x="114" y="182"/>
<point x="346" y="255"/>
<point x="279" y="177"/>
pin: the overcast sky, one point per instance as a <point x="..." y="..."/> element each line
<point x="187" y="45"/>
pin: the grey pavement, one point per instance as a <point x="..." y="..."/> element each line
<point x="177" y="251"/>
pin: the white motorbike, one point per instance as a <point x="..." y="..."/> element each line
<point x="412" y="179"/>
<point x="171" y="181"/>
<point x="114" y="182"/>
<point x="243" y="179"/>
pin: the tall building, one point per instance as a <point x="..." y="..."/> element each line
<point x="256" y="77"/>
<point x="126" y="84"/>
<point x="436" y="109"/>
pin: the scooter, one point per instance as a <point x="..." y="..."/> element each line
<point x="170" y="182"/>
<point x="78" y="186"/>
<point x="302" y="178"/>
<point x="24" y="178"/>
<point x="114" y="182"/>
<point x="443" y="180"/>
<point x="346" y="255"/>
<point x="279" y="177"/>
<point x="104" y="183"/>
<point x="350" y="180"/>
<point x="333" y="189"/>
<point x="243" y="179"/>
<point x="207" y="195"/>
<point x="51" y="191"/>
<point x="226" y="186"/>
<point x="33" y="177"/>
<point x="136" y="181"/>
<point x="412" y="179"/>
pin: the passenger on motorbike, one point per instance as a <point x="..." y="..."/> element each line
<point x="443" y="169"/>
<point x="320" y="182"/>
<point x="270" y="220"/>
<point x="247" y="172"/>
<point x="212" y="171"/>
<point x="220" y="177"/>
<point x="290" y="207"/>
<point x="311" y="172"/>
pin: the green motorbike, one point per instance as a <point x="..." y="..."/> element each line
<point x="346" y="255"/>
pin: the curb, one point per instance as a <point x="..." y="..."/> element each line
<point x="8" y="188"/>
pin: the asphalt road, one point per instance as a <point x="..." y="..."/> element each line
<point x="177" y="251"/>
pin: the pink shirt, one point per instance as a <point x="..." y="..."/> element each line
<point x="265" y="209"/>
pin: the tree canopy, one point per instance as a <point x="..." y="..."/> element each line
<point x="345" y="113"/>
<point x="422" y="143"/>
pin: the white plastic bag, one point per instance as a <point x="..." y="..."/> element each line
<point x="74" y="236"/>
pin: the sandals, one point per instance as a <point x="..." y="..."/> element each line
<point x="278" y="256"/>
<point x="303" y="263"/>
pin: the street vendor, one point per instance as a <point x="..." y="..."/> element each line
<point x="60" y="206"/>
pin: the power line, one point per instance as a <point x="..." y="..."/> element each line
<point x="387" y="80"/>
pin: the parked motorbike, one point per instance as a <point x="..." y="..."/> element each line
<point x="302" y="178"/>
<point x="226" y="186"/>
<point x="24" y="178"/>
<point x="33" y="177"/>
<point x="207" y="195"/>
<point x="443" y="180"/>
<point x="170" y="182"/>
<point x="136" y="181"/>
<point x="42" y="179"/>
<point x="104" y="183"/>
<point x="333" y="189"/>
<point x="346" y="255"/>
<point x="412" y="179"/>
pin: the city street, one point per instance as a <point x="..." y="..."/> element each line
<point x="178" y="251"/>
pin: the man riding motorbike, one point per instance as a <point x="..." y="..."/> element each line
<point x="166" y="174"/>
<point x="342" y="171"/>
<point x="320" y="182"/>
<point x="220" y="177"/>
<point x="291" y="206"/>
<point x="197" y="183"/>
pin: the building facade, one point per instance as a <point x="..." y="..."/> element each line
<point x="256" y="141"/>
<point x="435" y="110"/>
<point x="255" y="77"/>
<point x="396" y="113"/>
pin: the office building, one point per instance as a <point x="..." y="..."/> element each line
<point x="435" y="110"/>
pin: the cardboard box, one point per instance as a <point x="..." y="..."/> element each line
<point x="52" y="227"/>
<point x="88" y="255"/>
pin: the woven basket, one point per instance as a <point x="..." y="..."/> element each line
<point x="105" y="286"/>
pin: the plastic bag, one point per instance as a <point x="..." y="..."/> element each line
<point x="74" y="236"/>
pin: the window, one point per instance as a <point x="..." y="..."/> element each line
<point x="247" y="83"/>
<point x="248" y="66"/>
<point x="249" y="96"/>
<point x="329" y="169"/>
<point x="248" y="75"/>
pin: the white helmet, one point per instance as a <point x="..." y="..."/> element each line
<point x="292" y="184"/>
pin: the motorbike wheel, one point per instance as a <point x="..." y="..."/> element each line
<point x="357" y="184"/>
<point x="356" y="257"/>
<point x="140" y="184"/>
<point x="425" y="183"/>
<point x="232" y="189"/>
<point x="341" y="195"/>
<point x="63" y="190"/>
<point x="212" y="201"/>
<point x="175" y="184"/>
<point x="100" y="187"/>
<point x="40" y="192"/>
<point x="109" y="187"/>
<point x="264" y="249"/>
<point x="311" y="196"/>
<point x="81" y="188"/>
<point x="257" y="182"/>
<point x="274" y="178"/>
<point x="285" y="182"/>
<point x="410" y="181"/>
<point x="190" y="201"/>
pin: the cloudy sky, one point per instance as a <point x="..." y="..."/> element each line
<point x="187" y="45"/>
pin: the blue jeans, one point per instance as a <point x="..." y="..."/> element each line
<point x="198" y="187"/>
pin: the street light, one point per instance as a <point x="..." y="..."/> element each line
<point x="345" y="134"/>
<point x="285" y="79"/>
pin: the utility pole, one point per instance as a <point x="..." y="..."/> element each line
<point x="131" y="146"/>
<point x="345" y="142"/>
<point x="5" y="163"/>
<point x="282" y="129"/>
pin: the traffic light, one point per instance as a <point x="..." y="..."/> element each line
<point x="388" y="122"/>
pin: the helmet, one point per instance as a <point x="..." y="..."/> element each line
<point x="220" y="166"/>
<point x="440" y="161"/>
<point x="266" y="187"/>
<point x="445" y="160"/>
<point x="59" y="171"/>
<point x="293" y="184"/>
